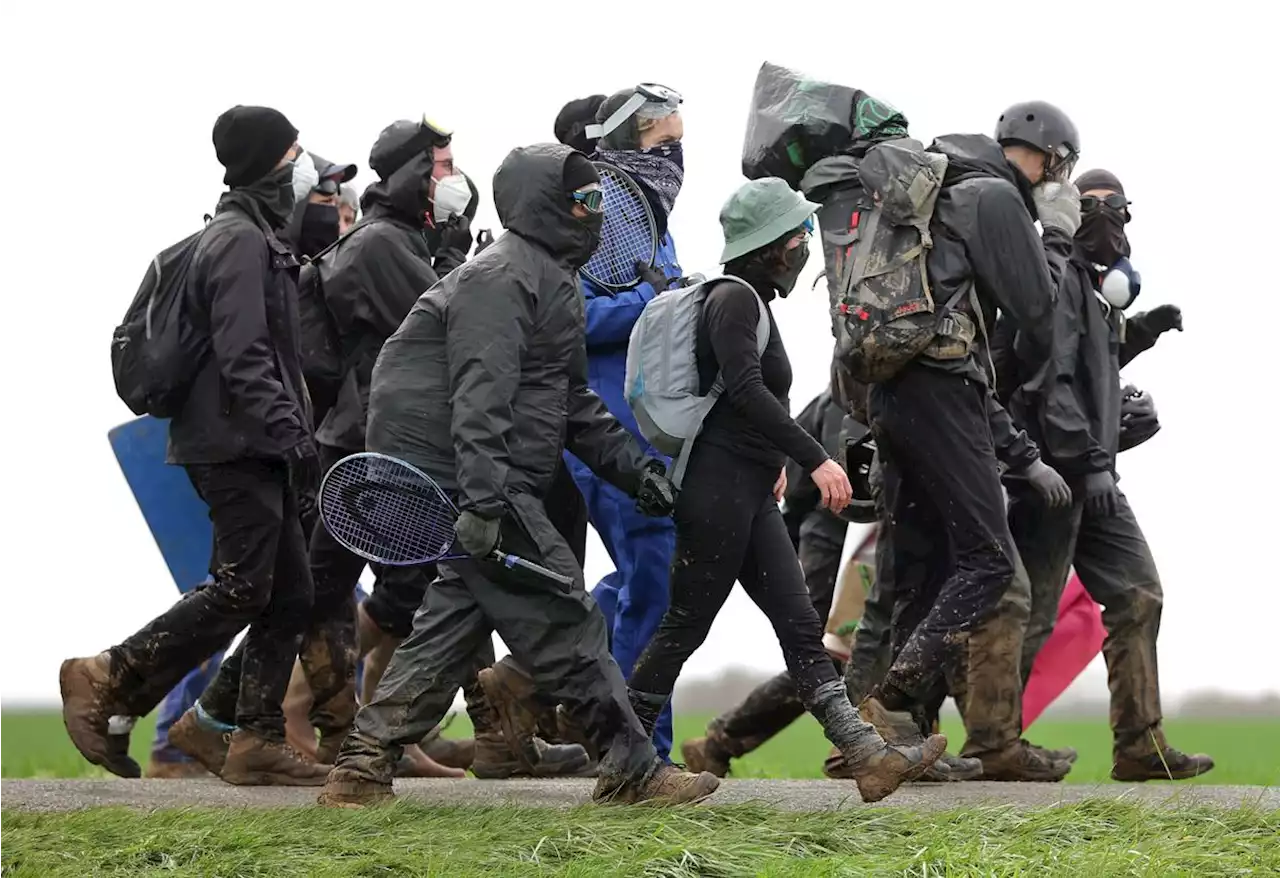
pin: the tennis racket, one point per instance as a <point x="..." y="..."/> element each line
<point x="391" y="512"/>
<point x="629" y="234"/>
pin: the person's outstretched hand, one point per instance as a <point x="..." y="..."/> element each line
<point x="833" y="482"/>
<point x="1162" y="318"/>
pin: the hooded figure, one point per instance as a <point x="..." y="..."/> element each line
<point x="482" y="386"/>
<point x="634" y="596"/>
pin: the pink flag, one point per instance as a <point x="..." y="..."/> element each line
<point x="1077" y="637"/>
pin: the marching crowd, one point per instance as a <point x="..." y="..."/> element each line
<point x="314" y="325"/>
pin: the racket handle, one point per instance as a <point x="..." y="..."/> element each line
<point x="515" y="561"/>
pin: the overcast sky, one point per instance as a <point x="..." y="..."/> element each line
<point x="109" y="110"/>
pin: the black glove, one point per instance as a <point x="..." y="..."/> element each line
<point x="1138" y="419"/>
<point x="1101" y="496"/>
<point x="483" y="239"/>
<point x="1048" y="484"/>
<point x="652" y="276"/>
<point x="656" y="497"/>
<point x="477" y="536"/>
<point x="1162" y="318"/>
<point x="304" y="467"/>
<point x="456" y="235"/>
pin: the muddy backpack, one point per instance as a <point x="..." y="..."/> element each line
<point x="885" y="315"/>
<point x="154" y="352"/>
<point x="662" y="385"/>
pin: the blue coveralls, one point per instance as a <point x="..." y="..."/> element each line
<point x="635" y="596"/>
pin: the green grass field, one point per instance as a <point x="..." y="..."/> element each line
<point x="1090" y="839"/>
<point x="36" y="745"/>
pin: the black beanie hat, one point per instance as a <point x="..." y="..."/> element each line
<point x="573" y="119"/>
<point x="250" y="141"/>
<point x="578" y="172"/>
<point x="1099" y="179"/>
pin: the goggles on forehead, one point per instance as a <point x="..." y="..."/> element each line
<point x="650" y="101"/>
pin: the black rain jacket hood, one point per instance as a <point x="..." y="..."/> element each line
<point x="528" y="192"/>
<point x="403" y="191"/>
<point x="970" y="156"/>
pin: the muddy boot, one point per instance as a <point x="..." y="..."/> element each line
<point x="87" y="706"/>
<point x="895" y="726"/>
<point x="330" y="744"/>
<point x="256" y="761"/>
<point x="1154" y="759"/>
<point x="511" y="696"/>
<point x="494" y="759"/>
<point x="961" y="768"/>
<point x="345" y="788"/>
<point x="665" y="785"/>
<point x="883" y="772"/>
<point x="452" y="752"/>
<point x="707" y="754"/>
<point x="159" y="769"/>
<point x="1057" y="754"/>
<point x="198" y="737"/>
<point x="1021" y="761"/>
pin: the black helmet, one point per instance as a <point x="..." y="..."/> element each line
<point x="1043" y="126"/>
<point x="859" y="461"/>
<point x="1138" y="419"/>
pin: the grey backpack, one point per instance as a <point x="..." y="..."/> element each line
<point x="885" y="315"/>
<point x="662" y="384"/>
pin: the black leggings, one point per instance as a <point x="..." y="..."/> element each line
<point x="729" y="527"/>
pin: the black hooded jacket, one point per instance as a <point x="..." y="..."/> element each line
<point x="248" y="399"/>
<point x="370" y="282"/>
<point x="485" y="382"/>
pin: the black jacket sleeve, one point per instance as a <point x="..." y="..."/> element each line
<point x="1138" y="337"/>
<point x="489" y="326"/>
<point x="596" y="437"/>
<point x="1013" y="447"/>
<point x="240" y="337"/>
<point x="802" y="495"/>
<point x="732" y="313"/>
<point x="374" y="282"/>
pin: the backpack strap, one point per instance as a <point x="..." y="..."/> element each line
<point x="680" y="463"/>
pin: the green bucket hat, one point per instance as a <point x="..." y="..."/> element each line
<point x="759" y="213"/>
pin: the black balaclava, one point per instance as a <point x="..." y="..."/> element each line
<point x="273" y="195"/>
<point x="579" y="172"/>
<point x="1101" y="236"/>
<point x="319" y="228"/>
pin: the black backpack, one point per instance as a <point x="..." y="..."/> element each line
<point x="154" y="353"/>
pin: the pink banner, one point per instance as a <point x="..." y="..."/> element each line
<point x="1077" y="637"/>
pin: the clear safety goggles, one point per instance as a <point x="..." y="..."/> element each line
<point x="650" y="101"/>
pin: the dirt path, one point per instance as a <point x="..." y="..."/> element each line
<point x="798" y="795"/>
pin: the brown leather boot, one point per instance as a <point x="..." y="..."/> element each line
<point x="667" y="785"/>
<point x="1057" y="754"/>
<point x="895" y="726"/>
<point x="88" y="702"/>
<point x="344" y="788"/>
<point x="706" y="754"/>
<point x="206" y="746"/>
<point x="883" y="772"/>
<point x="256" y="761"/>
<point x="1153" y="759"/>
<point x="158" y="769"/>
<point x="512" y="697"/>
<point x="1022" y="762"/>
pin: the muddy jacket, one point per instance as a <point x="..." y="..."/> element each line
<point x="485" y="382"/>
<point x="248" y="399"/>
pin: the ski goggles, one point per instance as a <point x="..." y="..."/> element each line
<point x="591" y="199"/>
<point x="1115" y="201"/>
<point x="650" y="101"/>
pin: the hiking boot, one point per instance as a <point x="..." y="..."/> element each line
<point x="344" y="788"/>
<point x="87" y="706"/>
<point x="512" y="697"/>
<point x="495" y="760"/>
<point x="256" y="761"/>
<point x="961" y="768"/>
<point x="452" y="752"/>
<point x="160" y="769"/>
<point x="207" y="746"/>
<point x="706" y="754"/>
<point x="1057" y="754"/>
<point x="1021" y="761"/>
<point x="884" y="771"/>
<point x="895" y="726"/>
<point x="569" y="732"/>
<point x="330" y="744"/>
<point x="1161" y="764"/>
<point x="667" y="785"/>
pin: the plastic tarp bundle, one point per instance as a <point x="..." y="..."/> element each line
<point x="796" y="121"/>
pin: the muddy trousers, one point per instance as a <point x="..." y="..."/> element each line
<point x="776" y="703"/>
<point x="954" y="559"/>
<point x="261" y="580"/>
<point x="729" y="527"/>
<point x="1117" y="569"/>
<point x="556" y="633"/>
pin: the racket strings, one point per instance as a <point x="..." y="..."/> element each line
<point x="626" y="236"/>
<point x="381" y="510"/>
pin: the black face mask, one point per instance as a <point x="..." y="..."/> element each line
<point x="319" y="228"/>
<point x="785" y="275"/>
<point x="274" y="196"/>
<point x="1101" y="236"/>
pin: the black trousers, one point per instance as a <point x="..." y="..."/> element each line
<point x="775" y="703"/>
<point x="953" y="555"/>
<point x="261" y="580"/>
<point x="729" y="527"/>
<point x="555" y="633"/>
<point x="1117" y="569"/>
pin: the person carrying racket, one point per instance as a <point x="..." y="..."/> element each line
<point x="639" y="133"/>
<point x="481" y="388"/>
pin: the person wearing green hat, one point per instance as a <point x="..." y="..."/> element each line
<point x="728" y="524"/>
